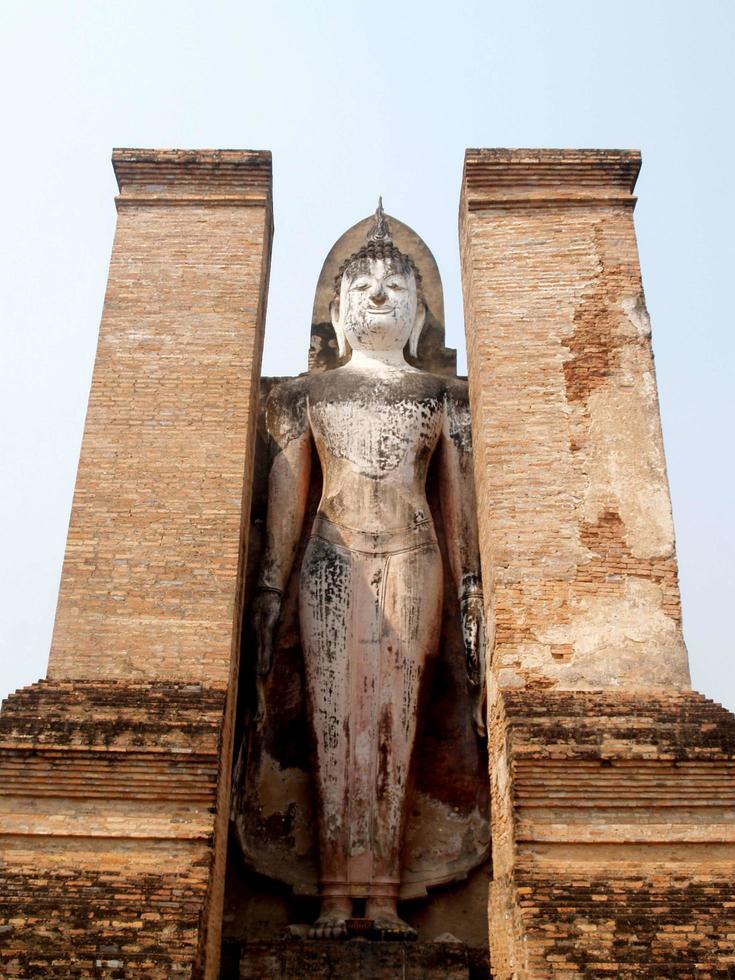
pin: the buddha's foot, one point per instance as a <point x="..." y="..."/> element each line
<point x="329" y="927"/>
<point x="391" y="928"/>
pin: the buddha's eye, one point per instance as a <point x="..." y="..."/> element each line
<point x="396" y="286"/>
<point x="362" y="286"/>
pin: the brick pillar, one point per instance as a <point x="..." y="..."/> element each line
<point x="115" y="770"/>
<point x="150" y="581"/>
<point x="573" y="497"/>
<point x="613" y="844"/>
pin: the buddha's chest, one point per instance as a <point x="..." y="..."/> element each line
<point x="377" y="435"/>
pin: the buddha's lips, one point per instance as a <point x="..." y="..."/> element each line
<point x="381" y="311"/>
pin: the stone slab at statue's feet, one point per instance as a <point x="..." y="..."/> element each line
<point x="293" y="958"/>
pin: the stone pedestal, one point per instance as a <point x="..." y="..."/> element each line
<point x="358" y="960"/>
<point x="116" y="769"/>
<point x="612" y="800"/>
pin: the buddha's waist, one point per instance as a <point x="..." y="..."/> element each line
<point x="386" y="541"/>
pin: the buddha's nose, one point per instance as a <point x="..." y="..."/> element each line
<point x="377" y="294"/>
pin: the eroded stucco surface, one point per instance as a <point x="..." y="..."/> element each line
<point x="574" y="510"/>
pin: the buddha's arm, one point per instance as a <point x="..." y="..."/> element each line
<point x="457" y="495"/>
<point x="288" y="490"/>
<point x="288" y="483"/>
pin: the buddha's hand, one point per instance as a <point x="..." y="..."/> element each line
<point x="264" y="616"/>
<point x="473" y="631"/>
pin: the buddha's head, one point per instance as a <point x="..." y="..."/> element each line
<point x="378" y="304"/>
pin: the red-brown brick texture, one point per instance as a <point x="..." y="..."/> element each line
<point x="614" y="836"/>
<point x="108" y="796"/>
<point x="573" y="500"/>
<point x="613" y="823"/>
<point x="150" y="580"/>
<point x="115" y="770"/>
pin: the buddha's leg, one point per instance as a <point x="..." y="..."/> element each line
<point x="363" y="645"/>
<point x="411" y="623"/>
<point x="325" y="599"/>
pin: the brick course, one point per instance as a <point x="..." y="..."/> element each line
<point x="573" y="503"/>
<point x="614" y="854"/>
<point x="150" y="582"/>
<point x="108" y="810"/>
<point x="612" y="784"/>
<point x="115" y="772"/>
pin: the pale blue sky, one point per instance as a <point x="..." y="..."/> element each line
<point x="356" y="99"/>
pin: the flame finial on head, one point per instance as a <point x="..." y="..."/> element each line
<point x="380" y="232"/>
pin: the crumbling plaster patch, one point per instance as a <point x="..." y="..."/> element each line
<point x="625" y="464"/>
<point x="613" y="640"/>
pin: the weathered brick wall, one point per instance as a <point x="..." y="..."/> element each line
<point x="109" y="796"/>
<point x="612" y="785"/>
<point x="575" y="520"/>
<point x="618" y="856"/>
<point x="115" y="773"/>
<point x="150" y="580"/>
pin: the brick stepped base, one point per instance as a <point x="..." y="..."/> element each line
<point x="593" y="724"/>
<point x="106" y="925"/>
<point x="107" y="808"/>
<point x="359" y="960"/>
<point x="629" y="927"/>
<point x="87" y="739"/>
<point x="147" y="714"/>
<point x="614" y="836"/>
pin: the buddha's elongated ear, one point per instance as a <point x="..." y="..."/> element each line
<point x="338" y="329"/>
<point x="418" y="326"/>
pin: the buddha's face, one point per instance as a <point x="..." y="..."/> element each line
<point x="378" y="306"/>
